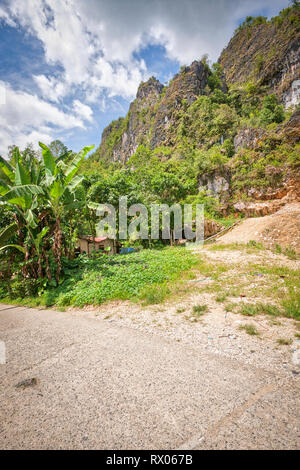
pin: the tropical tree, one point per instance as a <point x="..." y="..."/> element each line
<point x="19" y="190"/>
<point x="39" y="196"/>
<point x="60" y="183"/>
<point x="58" y="148"/>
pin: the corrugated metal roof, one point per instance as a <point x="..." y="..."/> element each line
<point x="96" y="239"/>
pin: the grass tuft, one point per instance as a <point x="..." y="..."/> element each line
<point x="250" y="330"/>
<point x="284" y="341"/>
<point x="230" y="307"/>
<point x="200" y="309"/>
<point x="221" y="298"/>
<point x="251" y="310"/>
<point x="154" y="294"/>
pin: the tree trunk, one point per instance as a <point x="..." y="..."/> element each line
<point x="57" y="247"/>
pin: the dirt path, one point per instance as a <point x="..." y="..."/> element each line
<point x="281" y="228"/>
<point x="101" y="384"/>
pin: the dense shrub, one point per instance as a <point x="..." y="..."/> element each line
<point x="271" y="111"/>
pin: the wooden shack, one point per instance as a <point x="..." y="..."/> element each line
<point x="88" y="244"/>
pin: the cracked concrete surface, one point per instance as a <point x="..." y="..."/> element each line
<point x="105" y="386"/>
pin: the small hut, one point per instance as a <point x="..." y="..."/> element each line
<point x="88" y="244"/>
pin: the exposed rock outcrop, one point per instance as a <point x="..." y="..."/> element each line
<point x="195" y="121"/>
<point x="248" y="138"/>
<point x="122" y="137"/>
<point x="186" y="86"/>
<point x="211" y="227"/>
<point x="251" y="137"/>
<point x="267" y="51"/>
<point x="292" y="96"/>
<point x="291" y="129"/>
<point x="215" y="184"/>
<point x="153" y="116"/>
<point x="270" y="200"/>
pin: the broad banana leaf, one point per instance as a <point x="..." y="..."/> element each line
<point x="30" y="218"/>
<point x="40" y="236"/>
<point x="73" y="205"/>
<point x="22" y="176"/>
<point x="43" y="233"/>
<point x="75" y="163"/>
<point x="8" y="232"/>
<point x="57" y="189"/>
<point x="18" y="194"/>
<point x="35" y="174"/>
<point x="18" y="247"/>
<point x="49" y="160"/>
<point x="3" y="187"/>
<point x="64" y="156"/>
<point x="75" y="182"/>
<point x="7" y="169"/>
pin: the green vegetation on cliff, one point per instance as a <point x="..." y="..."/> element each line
<point x="265" y="51"/>
<point x="212" y="122"/>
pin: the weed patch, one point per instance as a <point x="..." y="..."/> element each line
<point x="250" y="330"/>
<point x="284" y="342"/>
<point x="251" y="310"/>
<point x="200" y="309"/>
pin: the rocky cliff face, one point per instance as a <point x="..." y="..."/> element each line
<point x="268" y="52"/>
<point x="220" y="118"/>
<point x="153" y="116"/>
<point x="263" y="52"/>
<point x="183" y="90"/>
<point x="122" y="137"/>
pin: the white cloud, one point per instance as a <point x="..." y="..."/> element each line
<point x="94" y="40"/>
<point x="68" y="41"/>
<point x="58" y="26"/>
<point x="4" y="16"/>
<point x="93" y="44"/>
<point x="187" y="28"/>
<point x="82" y="110"/>
<point x="2" y="95"/>
<point x="51" y="88"/>
<point x="24" y="117"/>
<point x="116" y="79"/>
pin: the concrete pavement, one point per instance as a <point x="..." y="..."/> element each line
<point x="103" y="386"/>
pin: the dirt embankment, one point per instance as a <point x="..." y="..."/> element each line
<point x="270" y="201"/>
<point x="281" y="228"/>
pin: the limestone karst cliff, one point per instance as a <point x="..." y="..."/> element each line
<point x="236" y="121"/>
<point x="267" y="52"/>
<point x="261" y="52"/>
<point x="154" y="115"/>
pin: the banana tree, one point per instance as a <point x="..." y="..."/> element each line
<point x="19" y="190"/>
<point x="59" y="184"/>
<point x="40" y="196"/>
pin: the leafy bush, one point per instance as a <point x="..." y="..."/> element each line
<point x="271" y="111"/>
<point x="259" y="62"/>
<point x="20" y="288"/>
<point x="209" y="161"/>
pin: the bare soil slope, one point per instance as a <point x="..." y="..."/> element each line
<point x="281" y="228"/>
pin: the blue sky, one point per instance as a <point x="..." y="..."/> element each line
<point x="69" y="67"/>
